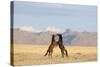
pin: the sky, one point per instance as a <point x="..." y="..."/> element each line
<point x="36" y="16"/>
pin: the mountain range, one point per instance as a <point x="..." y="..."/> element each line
<point x="72" y="38"/>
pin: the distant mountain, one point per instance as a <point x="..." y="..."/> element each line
<point x="69" y="38"/>
<point x="81" y="38"/>
<point x="24" y="37"/>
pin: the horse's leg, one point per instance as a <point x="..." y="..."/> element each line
<point x="62" y="52"/>
<point x="62" y="49"/>
<point x="51" y="53"/>
<point x="66" y="52"/>
<point x="46" y="52"/>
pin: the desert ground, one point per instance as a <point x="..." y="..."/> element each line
<point x="34" y="54"/>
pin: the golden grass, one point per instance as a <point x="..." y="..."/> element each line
<point x="34" y="54"/>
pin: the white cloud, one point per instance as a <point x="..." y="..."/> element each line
<point x="26" y="28"/>
<point x="49" y="28"/>
<point x="29" y="29"/>
<point x="53" y="29"/>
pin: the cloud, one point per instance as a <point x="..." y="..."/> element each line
<point x="26" y="28"/>
<point x="29" y="29"/>
<point x="48" y="29"/>
<point x="53" y="29"/>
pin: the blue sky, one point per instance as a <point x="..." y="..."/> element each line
<point x="56" y="16"/>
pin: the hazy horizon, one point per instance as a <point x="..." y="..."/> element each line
<point x="38" y="16"/>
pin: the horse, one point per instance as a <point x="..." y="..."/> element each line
<point x="55" y="43"/>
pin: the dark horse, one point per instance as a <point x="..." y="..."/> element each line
<point x="55" y="43"/>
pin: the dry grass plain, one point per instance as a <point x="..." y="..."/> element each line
<point x="34" y="54"/>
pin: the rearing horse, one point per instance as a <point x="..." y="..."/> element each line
<point x="61" y="46"/>
<point x="51" y="47"/>
<point x="55" y="43"/>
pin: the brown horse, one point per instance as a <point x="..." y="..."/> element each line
<point x="55" y="43"/>
<point x="61" y="46"/>
<point x="51" y="47"/>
